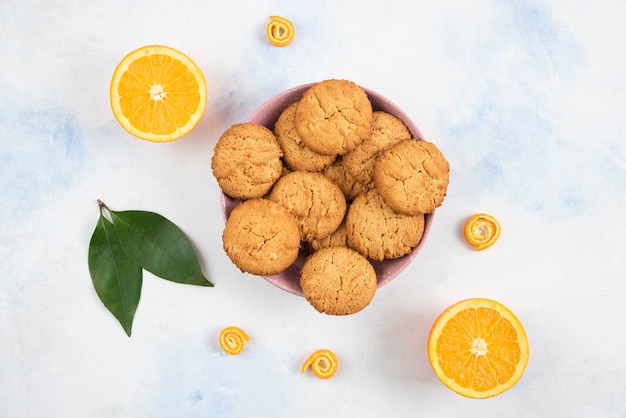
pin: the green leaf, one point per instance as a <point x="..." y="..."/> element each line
<point x="116" y="278"/>
<point x="159" y="246"/>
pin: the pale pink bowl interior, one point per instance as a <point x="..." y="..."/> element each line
<point x="267" y="115"/>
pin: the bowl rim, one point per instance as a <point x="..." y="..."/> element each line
<point x="275" y="106"/>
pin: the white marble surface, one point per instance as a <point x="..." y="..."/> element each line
<point x="526" y="99"/>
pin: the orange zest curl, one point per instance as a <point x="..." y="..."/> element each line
<point x="323" y="363"/>
<point x="232" y="340"/>
<point x="482" y="231"/>
<point x="280" y="31"/>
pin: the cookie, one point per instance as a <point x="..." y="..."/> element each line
<point x="316" y="202"/>
<point x="296" y="155"/>
<point x="333" y="116"/>
<point x="387" y="130"/>
<point x="412" y="176"/>
<point x="338" y="281"/>
<point x="348" y="184"/>
<point x="261" y="237"/>
<point x="377" y="232"/>
<point x="247" y="161"/>
<point x="338" y="238"/>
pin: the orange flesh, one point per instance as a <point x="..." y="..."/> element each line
<point x="484" y="358"/>
<point x="158" y="94"/>
<point x="480" y="350"/>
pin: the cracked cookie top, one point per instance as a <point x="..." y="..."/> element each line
<point x="333" y="116"/>
<point x="348" y="184"/>
<point x="412" y="176"/>
<point x="339" y="238"/>
<point x="261" y="237"/>
<point x="338" y="281"/>
<point x="317" y="203"/>
<point x="297" y="156"/>
<point x="247" y="161"/>
<point x="387" y="130"/>
<point x="377" y="232"/>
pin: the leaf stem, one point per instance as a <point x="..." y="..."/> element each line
<point x="102" y="206"/>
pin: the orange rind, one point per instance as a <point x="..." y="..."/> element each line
<point x="478" y="348"/>
<point x="481" y="231"/>
<point x="280" y="31"/>
<point x="323" y="363"/>
<point x="232" y="340"/>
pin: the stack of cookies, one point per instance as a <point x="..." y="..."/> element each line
<point x="345" y="182"/>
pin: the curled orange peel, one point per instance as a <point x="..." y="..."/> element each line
<point x="481" y="231"/>
<point x="323" y="363"/>
<point x="232" y="340"/>
<point x="280" y="31"/>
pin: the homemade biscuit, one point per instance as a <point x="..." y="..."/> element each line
<point x="412" y="176"/>
<point x="338" y="238"/>
<point x="348" y="184"/>
<point x="333" y="116"/>
<point x="247" y="161"/>
<point x="261" y="237"/>
<point x="387" y="130"/>
<point x="377" y="232"/>
<point x="316" y="202"/>
<point x="338" y="281"/>
<point x="296" y="155"/>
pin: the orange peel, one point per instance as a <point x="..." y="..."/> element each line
<point x="481" y="231"/>
<point x="323" y="363"/>
<point x="232" y="340"/>
<point x="280" y="31"/>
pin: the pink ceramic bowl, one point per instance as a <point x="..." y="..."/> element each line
<point x="267" y="115"/>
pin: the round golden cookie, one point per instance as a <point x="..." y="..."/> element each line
<point x="338" y="238"/>
<point x="387" y="130"/>
<point x="247" y="161"/>
<point x="333" y="116"/>
<point x="316" y="202"/>
<point x="338" y="281"/>
<point x="296" y="155"/>
<point x="261" y="237"/>
<point x="348" y="184"/>
<point x="377" y="232"/>
<point x="412" y="176"/>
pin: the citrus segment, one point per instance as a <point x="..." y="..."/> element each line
<point x="158" y="93"/>
<point x="232" y="340"/>
<point x="280" y="31"/>
<point x="323" y="363"/>
<point x="478" y="348"/>
<point x="482" y="231"/>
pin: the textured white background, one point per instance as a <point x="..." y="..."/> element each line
<point x="526" y="99"/>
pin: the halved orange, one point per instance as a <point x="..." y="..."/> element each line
<point x="158" y="93"/>
<point x="478" y="348"/>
